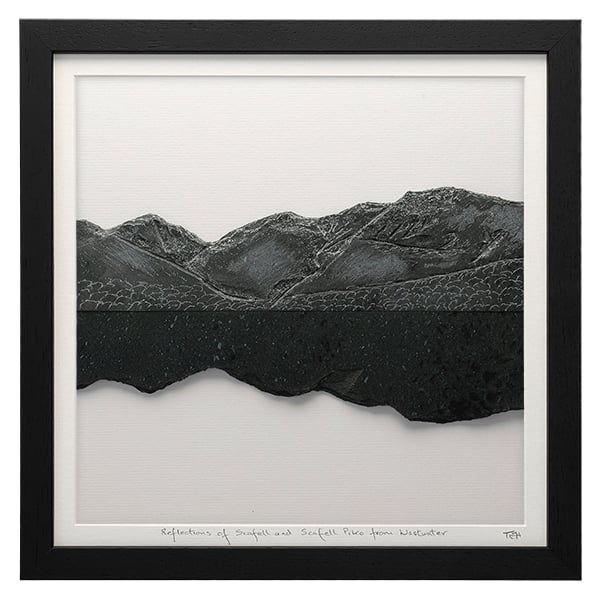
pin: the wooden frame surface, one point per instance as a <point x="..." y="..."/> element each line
<point x="559" y="40"/>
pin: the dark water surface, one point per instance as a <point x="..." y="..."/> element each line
<point x="430" y="366"/>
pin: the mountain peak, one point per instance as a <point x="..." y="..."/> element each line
<point x="154" y="234"/>
<point x="148" y="218"/>
<point x="447" y="195"/>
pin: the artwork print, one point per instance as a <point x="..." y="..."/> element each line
<point x="300" y="301"/>
<point x="415" y="303"/>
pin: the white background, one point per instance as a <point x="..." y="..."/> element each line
<point x="355" y="130"/>
<point x="319" y="9"/>
<point x="215" y="153"/>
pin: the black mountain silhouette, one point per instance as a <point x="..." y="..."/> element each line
<point x="416" y="304"/>
<point x="441" y="249"/>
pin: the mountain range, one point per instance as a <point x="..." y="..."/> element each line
<point x="440" y="249"/>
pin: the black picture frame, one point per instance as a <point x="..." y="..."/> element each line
<point x="559" y="41"/>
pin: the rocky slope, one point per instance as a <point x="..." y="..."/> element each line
<point x="441" y="249"/>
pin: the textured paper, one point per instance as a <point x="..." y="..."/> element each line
<point x="214" y="152"/>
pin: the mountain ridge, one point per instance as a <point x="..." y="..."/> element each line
<point x="268" y="262"/>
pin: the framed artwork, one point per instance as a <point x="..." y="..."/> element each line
<point x="300" y="299"/>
